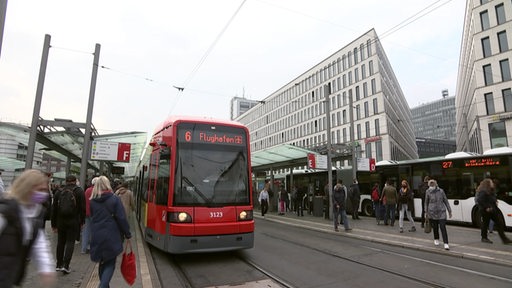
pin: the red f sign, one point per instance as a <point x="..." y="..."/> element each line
<point x="123" y="152"/>
<point x="311" y="161"/>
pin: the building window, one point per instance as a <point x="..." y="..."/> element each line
<point x="378" y="151"/>
<point x="356" y="75"/>
<point x="344" y="80"/>
<point x="507" y="99"/>
<point x="370" y="67"/>
<point x="498" y="134"/>
<point x="344" y="116"/>
<point x="368" y="150"/>
<point x="369" y="47"/>
<point x="367" y="129"/>
<point x="500" y="14"/>
<point x="358" y="95"/>
<point x="356" y="54"/>
<point x="484" y="20"/>
<point x="358" y="127"/>
<point x="358" y="111"/>
<point x="502" y="41"/>
<point x="375" y="106"/>
<point x="377" y="127"/>
<point x="363" y="71"/>
<point x="366" y="110"/>
<point x="344" y="61"/>
<point x="487" y="75"/>
<point x="365" y="89"/>
<point x="486" y="47"/>
<point x="349" y="58"/>
<point x="489" y="103"/>
<point x="374" y="88"/>
<point x="505" y="70"/>
<point x="349" y="77"/>
<point x="344" y="135"/>
<point x="361" y="49"/>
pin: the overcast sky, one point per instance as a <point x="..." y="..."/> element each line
<point x="209" y="48"/>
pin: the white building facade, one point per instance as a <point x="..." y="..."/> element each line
<point x="359" y="73"/>
<point x="484" y="84"/>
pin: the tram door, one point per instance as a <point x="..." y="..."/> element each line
<point x="151" y="201"/>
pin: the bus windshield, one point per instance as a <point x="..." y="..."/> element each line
<point x="211" y="174"/>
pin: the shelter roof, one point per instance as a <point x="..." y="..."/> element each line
<point x="281" y="156"/>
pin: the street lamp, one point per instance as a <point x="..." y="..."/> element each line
<point x="327" y="92"/>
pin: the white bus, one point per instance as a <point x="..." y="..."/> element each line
<point x="458" y="174"/>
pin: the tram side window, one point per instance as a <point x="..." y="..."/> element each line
<point x="162" y="185"/>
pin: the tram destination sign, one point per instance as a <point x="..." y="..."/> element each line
<point x="110" y="151"/>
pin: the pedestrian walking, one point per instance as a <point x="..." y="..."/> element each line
<point x="436" y="205"/>
<point x="355" y="198"/>
<point x="283" y="196"/>
<point x="422" y="190"/>
<point x="339" y="202"/>
<point x="377" y="205"/>
<point x="21" y="230"/>
<point x="263" y="198"/>
<point x="109" y="228"/>
<point x="2" y="187"/>
<point x="487" y="204"/>
<point x="389" y="199"/>
<point x="86" y="229"/>
<point x="405" y="204"/>
<point x="67" y="217"/>
<point x="126" y="196"/>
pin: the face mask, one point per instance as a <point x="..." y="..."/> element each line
<point x="39" y="197"/>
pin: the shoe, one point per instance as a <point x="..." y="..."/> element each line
<point x="422" y="225"/>
<point x="401" y="230"/>
<point x="486" y="240"/>
<point x="413" y="229"/>
<point x="446" y="247"/>
<point x="436" y="242"/>
<point x="58" y="269"/>
<point x="66" y="270"/>
<point x="348" y="229"/>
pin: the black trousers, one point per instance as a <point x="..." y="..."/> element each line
<point x="495" y="215"/>
<point x="66" y="236"/>
<point x="264" y="207"/>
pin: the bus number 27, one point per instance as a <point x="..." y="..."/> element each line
<point x="216" y="215"/>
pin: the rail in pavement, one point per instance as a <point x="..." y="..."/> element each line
<point x="464" y="241"/>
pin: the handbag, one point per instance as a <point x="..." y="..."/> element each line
<point x="428" y="227"/>
<point x="128" y="265"/>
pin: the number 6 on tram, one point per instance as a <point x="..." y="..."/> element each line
<point x="193" y="187"/>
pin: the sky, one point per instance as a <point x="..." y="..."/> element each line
<point x="214" y="49"/>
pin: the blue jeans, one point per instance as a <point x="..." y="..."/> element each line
<point x="106" y="271"/>
<point x="343" y="213"/>
<point x="390" y="214"/>
<point x="86" y="235"/>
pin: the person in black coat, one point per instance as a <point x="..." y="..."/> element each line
<point x="487" y="204"/>
<point x="109" y="228"/>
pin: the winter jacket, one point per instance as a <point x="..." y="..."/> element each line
<point x="79" y="218"/>
<point x="406" y="196"/>
<point x="389" y="192"/>
<point x="486" y="200"/>
<point x="339" y="196"/>
<point x="436" y="203"/>
<point x="22" y="237"/>
<point x="108" y="227"/>
<point x="127" y="199"/>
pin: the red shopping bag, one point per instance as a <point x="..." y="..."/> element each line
<point x="128" y="265"/>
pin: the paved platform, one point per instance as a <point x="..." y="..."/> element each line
<point x="464" y="242"/>
<point x="84" y="271"/>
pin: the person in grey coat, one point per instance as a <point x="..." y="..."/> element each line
<point x="436" y="205"/>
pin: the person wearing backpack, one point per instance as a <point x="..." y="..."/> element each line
<point x="67" y="217"/>
<point x="21" y="231"/>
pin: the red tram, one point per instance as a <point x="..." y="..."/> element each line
<point x="193" y="188"/>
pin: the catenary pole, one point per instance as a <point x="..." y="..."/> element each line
<point x="327" y="92"/>
<point x="37" y="104"/>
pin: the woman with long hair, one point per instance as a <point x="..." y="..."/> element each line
<point x="109" y="227"/>
<point x="21" y="230"/>
<point x="488" y="207"/>
<point x="405" y="206"/>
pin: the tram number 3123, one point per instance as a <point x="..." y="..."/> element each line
<point x="216" y="215"/>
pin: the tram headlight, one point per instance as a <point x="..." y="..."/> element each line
<point x="179" y="217"/>
<point x="245" y="215"/>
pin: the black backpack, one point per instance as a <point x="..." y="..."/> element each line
<point x="67" y="202"/>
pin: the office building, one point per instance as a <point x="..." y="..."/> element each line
<point x="363" y="91"/>
<point x="241" y="105"/>
<point x="484" y="84"/>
